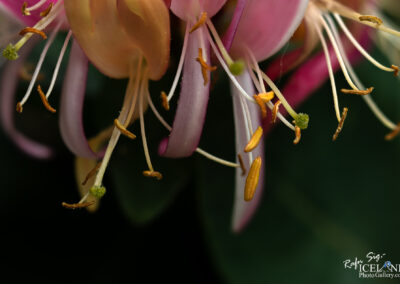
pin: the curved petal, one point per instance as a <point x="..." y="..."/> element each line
<point x="266" y="26"/>
<point x="231" y="31"/>
<point x="243" y="211"/>
<point x="8" y="85"/>
<point x="71" y="106"/>
<point x="190" y="9"/>
<point x="192" y="105"/>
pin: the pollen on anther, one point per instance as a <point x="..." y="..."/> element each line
<point x="297" y="131"/>
<point x="45" y="101"/>
<point x="164" y="101"/>
<point x="24" y="11"/>
<point x="252" y="179"/>
<point x="19" y="107"/>
<point x="358" y="92"/>
<point x="371" y="19"/>
<point x="123" y="129"/>
<point x="241" y="163"/>
<point x="393" y="134"/>
<point x="341" y="122"/>
<point x="275" y="111"/>
<point x="395" y="70"/>
<point x="204" y="66"/>
<point x="45" y="12"/>
<point x="266" y="97"/>
<point x="262" y="106"/>
<point x="254" y="140"/>
<point x="77" y="205"/>
<point x="153" y="174"/>
<point x="201" y="21"/>
<point x="33" y="31"/>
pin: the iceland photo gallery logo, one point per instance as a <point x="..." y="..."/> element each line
<point x="373" y="266"/>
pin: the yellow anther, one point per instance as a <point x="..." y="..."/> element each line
<point x="241" y="163"/>
<point x="202" y="20"/>
<point x="255" y="140"/>
<point x="91" y="173"/>
<point x="123" y="129"/>
<point x="204" y="66"/>
<point x="395" y="70"/>
<point x="275" y="111"/>
<point x="266" y="97"/>
<point x="19" y="107"/>
<point x="164" y="101"/>
<point x="262" y="106"/>
<point x="341" y="122"/>
<point x="45" y="12"/>
<point x="393" y="134"/>
<point x="45" y="101"/>
<point x="24" y="11"/>
<point x="77" y="205"/>
<point x="371" y="19"/>
<point x="297" y="132"/>
<point x="153" y="174"/>
<point x="27" y="30"/>
<point x="358" y="92"/>
<point x="252" y="179"/>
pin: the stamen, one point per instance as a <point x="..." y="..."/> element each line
<point x="255" y="140"/>
<point x="33" y="7"/>
<point x="123" y="129"/>
<point x="262" y="106"/>
<point x="91" y="173"/>
<point x="202" y="20"/>
<point x="45" y="101"/>
<point x="219" y="43"/>
<point x="77" y="205"/>
<point x="153" y="174"/>
<point x="241" y="162"/>
<point x="164" y="101"/>
<point x="26" y="30"/>
<point x="204" y="66"/>
<point x="358" y="92"/>
<point x="44" y="13"/>
<point x="252" y="179"/>
<point x="393" y="134"/>
<point x="275" y="111"/>
<point x="340" y="126"/>
<point x="266" y="97"/>
<point x="371" y="19"/>
<point x="297" y="131"/>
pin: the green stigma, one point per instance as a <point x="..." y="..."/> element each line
<point x="301" y="120"/>
<point x="10" y="52"/>
<point x="237" y="67"/>
<point x="98" y="191"/>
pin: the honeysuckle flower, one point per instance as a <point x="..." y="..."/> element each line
<point x="123" y="39"/>
<point x="38" y="17"/>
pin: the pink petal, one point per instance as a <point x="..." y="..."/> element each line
<point x="266" y="26"/>
<point x="14" y="7"/>
<point x="243" y="211"/>
<point x="231" y="31"/>
<point x="191" y="9"/>
<point x="192" y="105"/>
<point x="72" y="99"/>
<point x="8" y="85"/>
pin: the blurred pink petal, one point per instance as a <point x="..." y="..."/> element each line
<point x="192" y="105"/>
<point x="8" y="86"/>
<point x="261" y="28"/>
<point x="243" y="211"/>
<point x="231" y="31"/>
<point x="72" y="99"/>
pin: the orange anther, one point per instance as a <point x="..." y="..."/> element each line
<point x="34" y="31"/>
<point x="153" y="174"/>
<point x="202" y="20"/>
<point x="45" y="101"/>
<point x="358" y="92"/>
<point x="77" y="205"/>
<point x="241" y="163"/>
<point x="275" y="111"/>
<point x="252" y="179"/>
<point x="393" y="134"/>
<point x="123" y="129"/>
<point x="204" y="66"/>
<point x="262" y="106"/>
<point x="164" y="101"/>
<point x="255" y="140"/>
<point x="297" y="132"/>
<point x="341" y="122"/>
